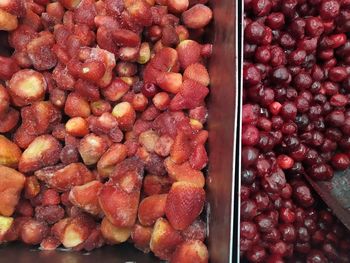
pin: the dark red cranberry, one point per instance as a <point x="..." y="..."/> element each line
<point x="287" y="215"/>
<point x="340" y="161"/>
<point x="248" y="230"/>
<point x="302" y="248"/>
<point x="330" y="251"/>
<point x="275" y="20"/>
<point x="264" y="124"/>
<point x="254" y="32"/>
<point x="280" y="75"/>
<point x="266" y="142"/>
<point x="321" y="171"/>
<point x="302" y="194"/>
<point x="250" y="135"/>
<point x="302" y="81"/>
<point x="286" y="192"/>
<point x="248" y="176"/>
<point x="287" y="41"/>
<point x="288" y="110"/>
<point x="263" y="54"/>
<point x="278" y="57"/>
<point x="314" y="26"/>
<point x="249" y="50"/>
<point x="250" y="113"/>
<point x="328" y="146"/>
<point x="261" y="7"/>
<point x="249" y="156"/>
<point x="346" y="127"/>
<point x="251" y="75"/>
<point x="275" y="181"/>
<point x="344" y="143"/>
<point x="337" y="74"/>
<point x="256" y="254"/>
<point x="334" y="134"/>
<point x="297" y="57"/>
<point x="245" y="193"/>
<point x="329" y="9"/>
<point x="248" y="210"/>
<point x="264" y="223"/>
<point x="339" y="100"/>
<point x="279" y="248"/>
<point x="330" y="88"/>
<point x="285" y="162"/>
<point x="297" y="28"/>
<point x="149" y="90"/>
<point x="288" y="233"/>
<point x="262" y="200"/>
<point x="318" y="237"/>
<point x="336" y="118"/>
<point x="289" y="128"/>
<point x="316" y="256"/>
<point x="291" y="142"/>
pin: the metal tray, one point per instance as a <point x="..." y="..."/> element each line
<point x="222" y="190"/>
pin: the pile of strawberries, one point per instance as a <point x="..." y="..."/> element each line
<point x="101" y="119"/>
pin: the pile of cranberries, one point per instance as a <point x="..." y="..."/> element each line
<point x="296" y="122"/>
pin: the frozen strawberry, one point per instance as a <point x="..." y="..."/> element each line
<point x="11" y="185"/>
<point x="77" y="106"/>
<point x="184" y="204"/>
<point x="184" y="173"/>
<point x="197" y="72"/>
<point x="77" y="126"/>
<point x="114" y="234"/>
<point x="85" y="197"/>
<point x="181" y="148"/>
<point x="151" y="208"/>
<point x="164" y="239"/>
<point x="128" y="174"/>
<point x="198" y="16"/>
<point x="85" y="12"/>
<point x="164" y="61"/>
<point x="163" y="145"/>
<point x="140" y="11"/>
<point x="125" y="115"/>
<point x="116" y="90"/>
<point x="33" y="231"/>
<point x="191" y="251"/>
<point x="75" y="230"/>
<point x="9" y="153"/>
<point x="169" y="81"/>
<point x="50" y="243"/>
<point x="153" y="184"/>
<point x="40" y="52"/>
<point x="191" y="95"/>
<point x="94" y="240"/>
<point x="196" y="231"/>
<point x="6" y="223"/>
<point x="63" y="178"/>
<point x="114" y="155"/>
<point x="27" y="86"/>
<point x="70" y="4"/>
<point x="120" y="207"/>
<point x="148" y="140"/>
<point x="43" y="151"/>
<point x="31" y="187"/>
<point x="92" y="71"/>
<point x="199" y="158"/>
<point x="91" y="148"/>
<point x="189" y="52"/>
<point x="124" y="37"/>
<point x="141" y="237"/>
